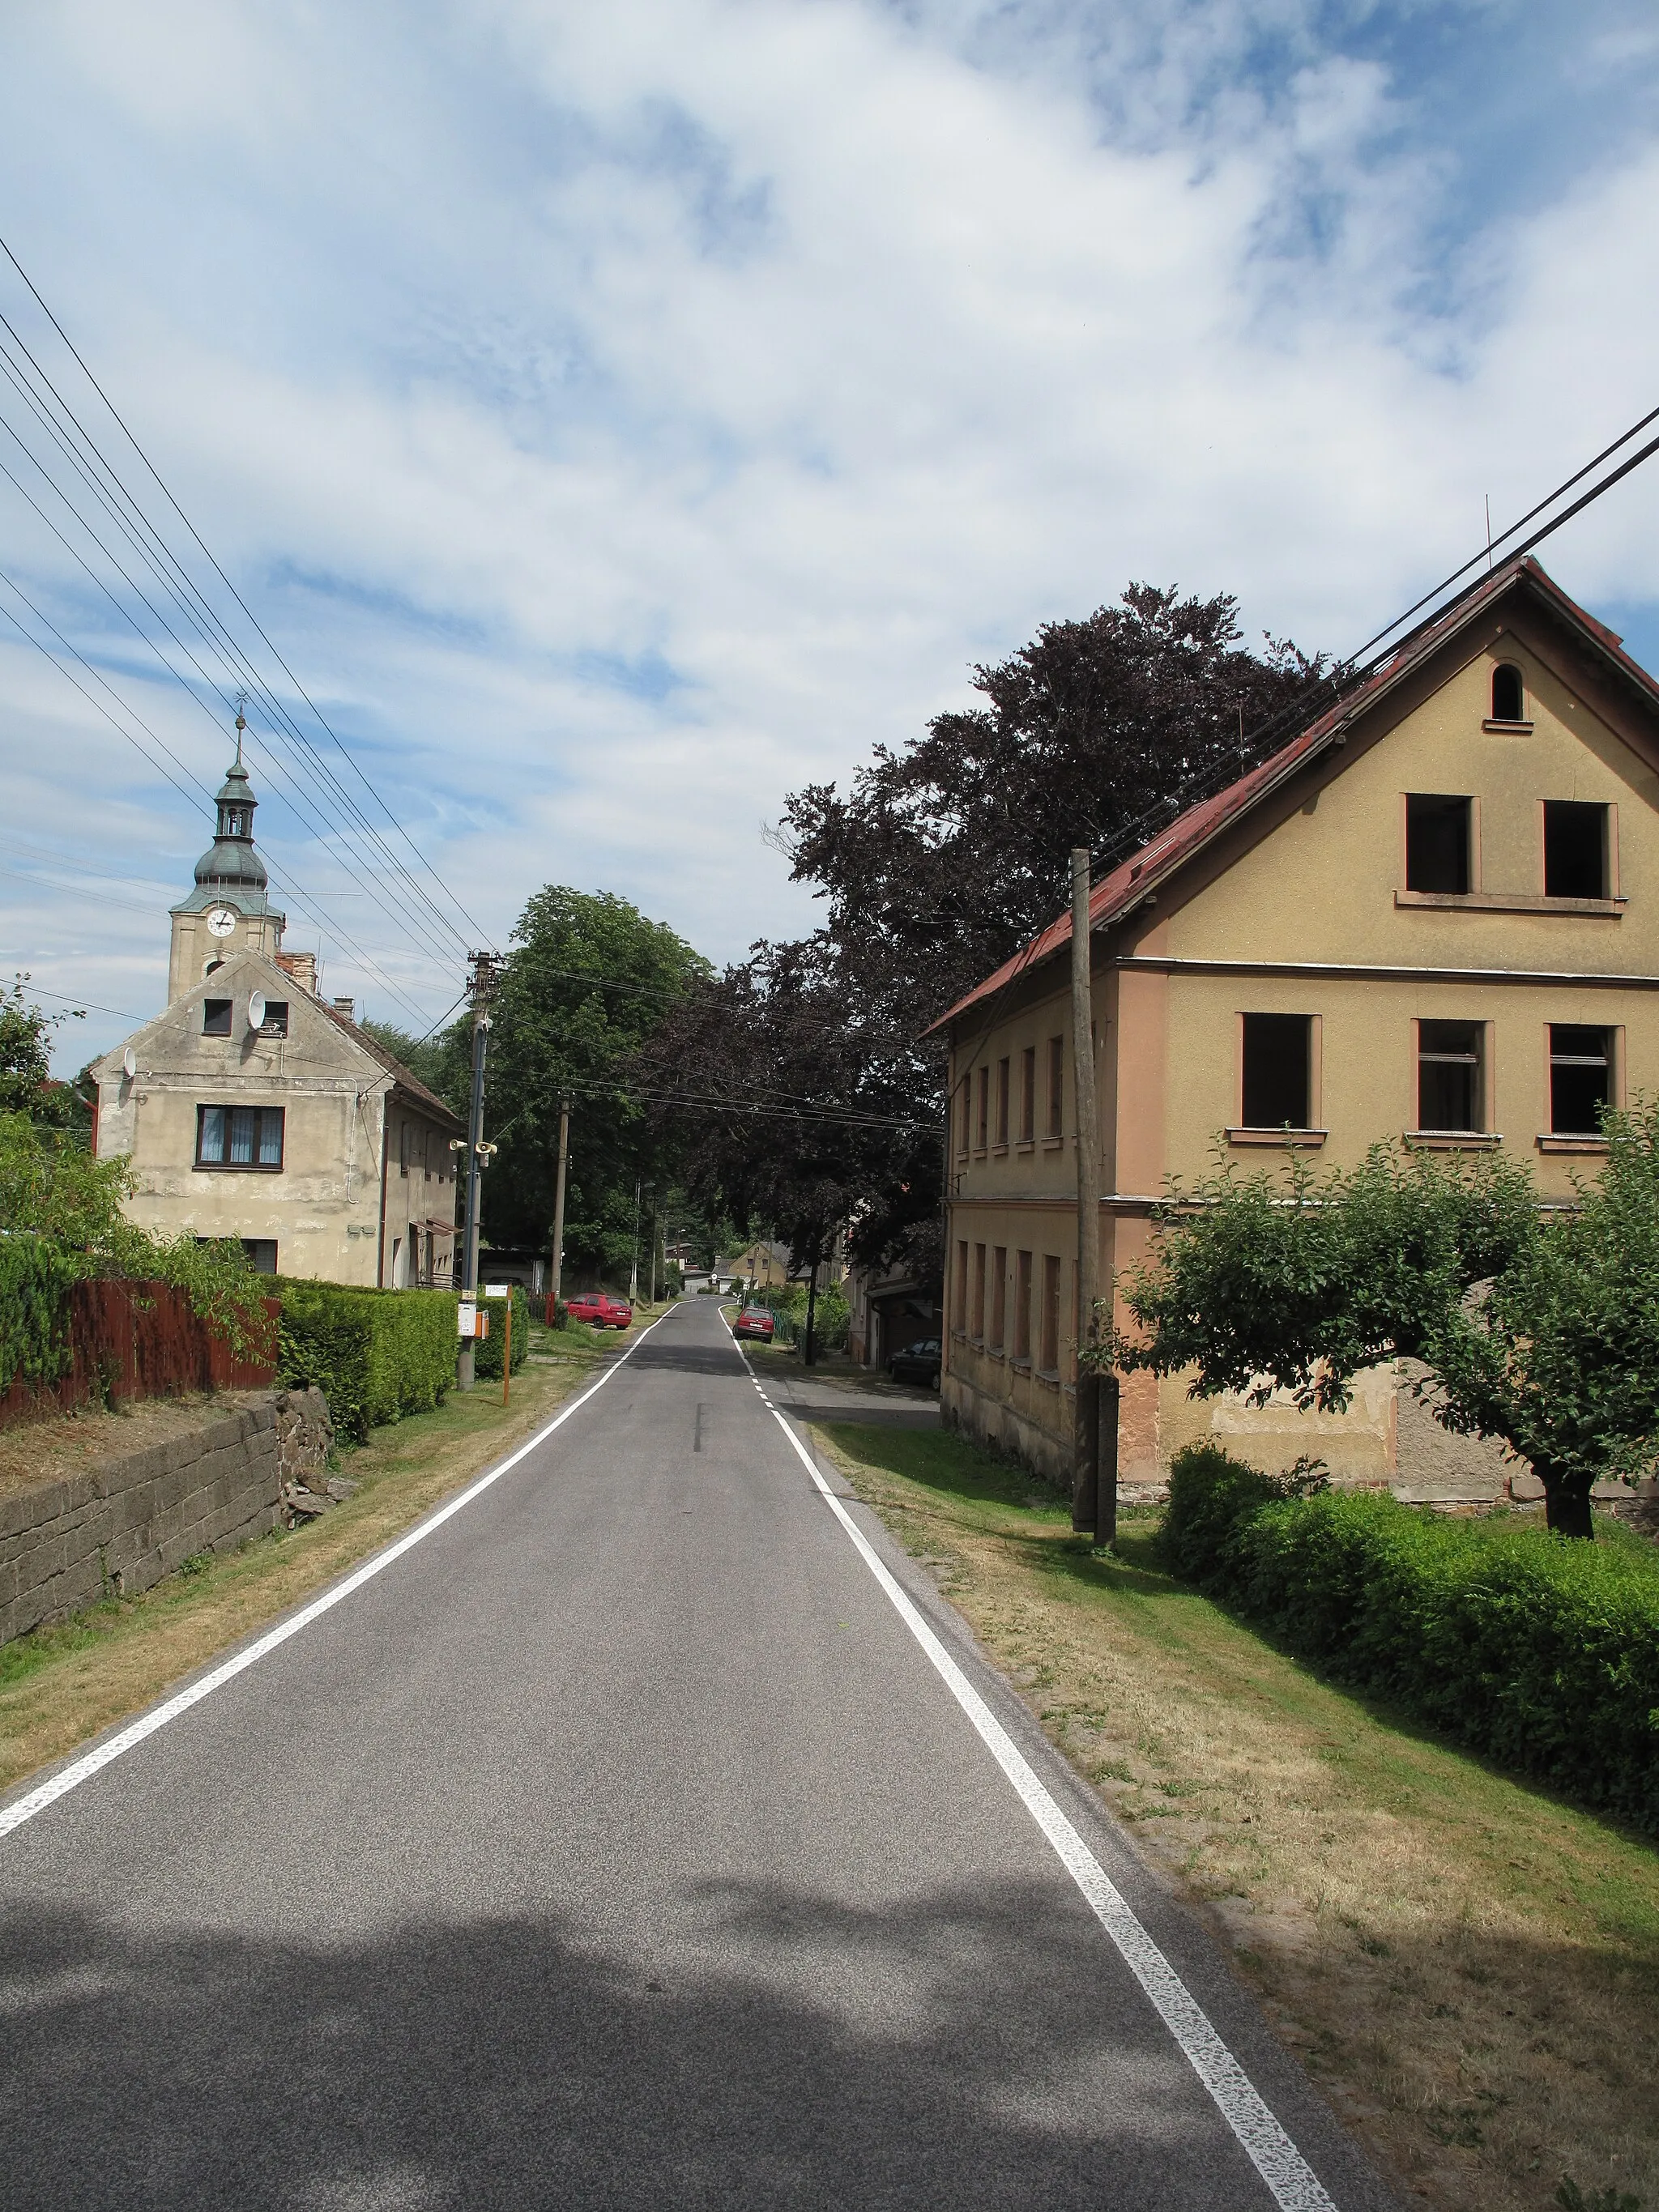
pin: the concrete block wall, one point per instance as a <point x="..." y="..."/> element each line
<point x="121" y="1526"/>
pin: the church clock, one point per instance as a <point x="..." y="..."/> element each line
<point x="221" y="921"/>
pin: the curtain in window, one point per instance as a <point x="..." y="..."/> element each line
<point x="242" y="1119"/>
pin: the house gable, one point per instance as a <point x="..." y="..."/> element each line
<point x="1318" y="871"/>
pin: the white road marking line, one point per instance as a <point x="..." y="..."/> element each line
<point x="82" y="1770"/>
<point x="1294" y="2186"/>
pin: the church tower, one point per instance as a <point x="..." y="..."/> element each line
<point x="230" y="911"/>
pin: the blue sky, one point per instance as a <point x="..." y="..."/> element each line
<point x="620" y="416"/>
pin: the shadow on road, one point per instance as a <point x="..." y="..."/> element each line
<point x="960" y="2052"/>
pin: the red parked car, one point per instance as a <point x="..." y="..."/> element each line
<point x="754" y="1321"/>
<point x="601" y="1310"/>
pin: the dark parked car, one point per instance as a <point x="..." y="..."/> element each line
<point x="917" y="1363"/>
<point x="755" y="1321"/>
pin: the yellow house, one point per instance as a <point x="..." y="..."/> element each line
<point x="251" y="1108"/>
<point x="1433" y="916"/>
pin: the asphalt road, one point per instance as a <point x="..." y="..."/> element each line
<point x="617" y="1845"/>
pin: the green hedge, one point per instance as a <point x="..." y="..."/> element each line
<point x="1539" y="1652"/>
<point x="36" y="1278"/>
<point x="375" y="1355"/>
<point x="487" y="1358"/>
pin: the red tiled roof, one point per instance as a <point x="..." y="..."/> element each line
<point x="1115" y="894"/>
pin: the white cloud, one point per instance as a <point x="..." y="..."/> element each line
<point x="622" y="416"/>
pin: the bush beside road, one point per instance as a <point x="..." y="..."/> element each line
<point x="1469" y="1966"/>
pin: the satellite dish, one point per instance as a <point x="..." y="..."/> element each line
<point x="256" y="1011"/>
<point x="129" y="1063"/>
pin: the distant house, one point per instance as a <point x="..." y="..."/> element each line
<point x="251" y="1109"/>
<point x="1432" y="917"/>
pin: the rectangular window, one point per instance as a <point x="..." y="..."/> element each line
<point x="1277" y="1084"/>
<point x="1022" y="1306"/>
<point x="239" y="1137"/>
<point x="999" y="1297"/>
<point x="965" y="1110"/>
<point x="1581" y="1078"/>
<point x="275" y="1025"/>
<point x="1002" y="1102"/>
<point x="961" y="1286"/>
<point x="216" y="1018"/>
<point x="261" y="1254"/>
<point x="1028" y="1095"/>
<point x="1049" y="1362"/>
<point x="976" y="1316"/>
<point x="1437" y="842"/>
<point x="1575" y="850"/>
<point x="404" y="1147"/>
<point x="982" y="1131"/>
<point x="1450" y="1085"/>
<point x="1056" y="1085"/>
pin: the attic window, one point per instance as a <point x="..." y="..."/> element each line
<point x="275" y="1024"/>
<point x="1508" y="697"/>
<point x="1437" y="842"/>
<point x="215" y="1017"/>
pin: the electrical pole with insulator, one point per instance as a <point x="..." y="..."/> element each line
<point x="481" y="987"/>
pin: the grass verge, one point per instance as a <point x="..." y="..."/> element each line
<point x="62" y="1684"/>
<point x="1469" y="1967"/>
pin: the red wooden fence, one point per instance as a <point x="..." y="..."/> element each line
<point x="138" y="1340"/>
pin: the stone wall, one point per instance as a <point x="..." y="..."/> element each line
<point x="123" y="1524"/>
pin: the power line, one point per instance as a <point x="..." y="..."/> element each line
<point x="196" y="797"/>
<point x="392" y="886"/>
<point x="167" y="494"/>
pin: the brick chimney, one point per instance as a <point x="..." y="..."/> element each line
<point x="302" y="967"/>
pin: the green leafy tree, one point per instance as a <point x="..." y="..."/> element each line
<point x="67" y="1209"/>
<point x="1560" y="1356"/>
<point x="443" y="1061"/>
<point x="1541" y="1331"/>
<point x="1265" y="1283"/>
<point x="27" y="1083"/>
<point x="938" y="860"/>
<point x="587" y="983"/>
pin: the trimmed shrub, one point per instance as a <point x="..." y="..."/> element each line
<point x="35" y="1275"/>
<point x="487" y="1355"/>
<point x="1539" y="1652"/>
<point x="375" y="1355"/>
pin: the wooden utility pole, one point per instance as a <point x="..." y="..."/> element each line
<point x="558" y="1211"/>
<point x="1085" y="1456"/>
<point x="483" y="984"/>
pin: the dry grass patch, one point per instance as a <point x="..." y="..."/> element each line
<point x="1469" y="1967"/>
<point x="68" y="1444"/>
<point x="60" y="1685"/>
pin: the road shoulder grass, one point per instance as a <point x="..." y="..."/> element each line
<point x="63" y="1684"/>
<point x="1469" y="1966"/>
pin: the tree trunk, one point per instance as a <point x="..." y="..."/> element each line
<point x="1566" y="1501"/>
